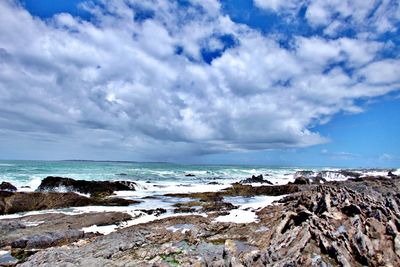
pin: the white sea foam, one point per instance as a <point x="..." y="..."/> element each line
<point x="3" y="252"/>
<point x="183" y="228"/>
<point x="30" y="186"/>
<point x="152" y="189"/>
<point x="246" y="212"/>
<point x="238" y="216"/>
<point x="143" y="218"/>
<point x="104" y="229"/>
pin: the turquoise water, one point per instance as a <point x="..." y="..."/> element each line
<point x="30" y="173"/>
<point x="27" y="173"/>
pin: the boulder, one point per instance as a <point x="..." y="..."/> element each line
<point x="94" y="188"/>
<point x="6" y="186"/>
<point x="301" y="180"/>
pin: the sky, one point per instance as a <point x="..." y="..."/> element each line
<point x="269" y="82"/>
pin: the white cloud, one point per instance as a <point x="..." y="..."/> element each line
<point x="276" y="5"/>
<point x="372" y="16"/>
<point x="118" y="84"/>
<point x="382" y="72"/>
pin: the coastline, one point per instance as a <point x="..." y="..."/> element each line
<point x="207" y="218"/>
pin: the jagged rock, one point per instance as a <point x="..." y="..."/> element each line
<point x="94" y="188"/>
<point x="190" y="175"/>
<point x="6" y="186"/>
<point x="256" y="179"/>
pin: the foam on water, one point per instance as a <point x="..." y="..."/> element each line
<point x="248" y="206"/>
<point x="3" y="252"/>
<point x="238" y="216"/>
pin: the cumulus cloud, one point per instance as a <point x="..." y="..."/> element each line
<point x="133" y="79"/>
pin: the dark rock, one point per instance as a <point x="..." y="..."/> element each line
<point x="319" y="179"/>
<point x="218" y="206"/>
<point x="348" y="173"/>
<point x="390" y="174"/>
<point x="7" y="187"/>
<point x="114" y="201"/>
<point x="255" y="179"/>
<point x="351" y="210"/>
<point x="301" y="180"/>
<point x="94" y="188"/>
<point x="248" y="190"/>
<point x="184" y="210"/>
<point x="190" y="175"/>
<point x="50" y="239"/>
<point x="155" y="212"/>
<point x="214" y="183"/>
<point x="122" y="174"/>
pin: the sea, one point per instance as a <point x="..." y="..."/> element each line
<point x="30" y="173"/>
<point x="154" y="180"/>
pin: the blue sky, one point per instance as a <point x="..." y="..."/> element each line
<point x="279" y="82"/>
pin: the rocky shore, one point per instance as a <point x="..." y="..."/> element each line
<point x="354" y="222"/>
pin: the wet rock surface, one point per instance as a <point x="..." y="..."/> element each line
<point x="347" y="223"/>
<point x="20" y="232"/>
<point x="94" y="188"/>
<point x="14" y="202"/>
<point x="6" y="186"/>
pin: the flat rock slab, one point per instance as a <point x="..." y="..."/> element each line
<point x="14" y="202"/>
<point x="41" y="230"/>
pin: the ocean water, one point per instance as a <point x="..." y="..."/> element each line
<point x="30" y="173"/>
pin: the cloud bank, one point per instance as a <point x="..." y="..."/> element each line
<point x="157" y="77"/>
